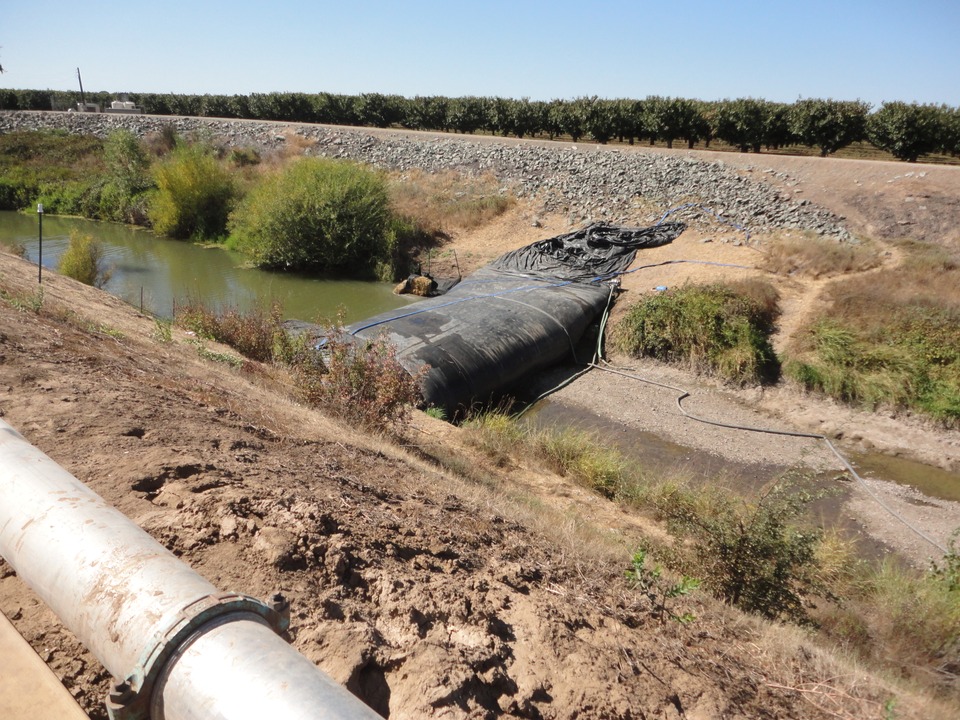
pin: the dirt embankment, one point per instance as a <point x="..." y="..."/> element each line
<point x="427" y="594"/>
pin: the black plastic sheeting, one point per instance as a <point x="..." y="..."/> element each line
<point x="524" y="312"/>
<point x="596" y="252"/>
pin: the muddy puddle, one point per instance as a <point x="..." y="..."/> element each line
<point x="657" y="456"/>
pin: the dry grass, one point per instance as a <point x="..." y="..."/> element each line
<point x="814" y="256"/>
<point x="448" y="201"/>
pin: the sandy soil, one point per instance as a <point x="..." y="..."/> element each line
<point x="496" y="594"/>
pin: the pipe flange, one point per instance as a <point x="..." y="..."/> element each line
<point x="129" y="699"/>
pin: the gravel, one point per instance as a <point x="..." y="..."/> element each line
<point x="587" y="182"/>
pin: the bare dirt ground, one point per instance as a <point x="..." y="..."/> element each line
<point x="496" y="593"/>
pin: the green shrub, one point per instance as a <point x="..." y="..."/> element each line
<point x="194" y="194"/>
<point x="721" y="328"/>
<point x="83" y="261"/>
<point x="317" y="214"/>
<point x="750" y="554"/>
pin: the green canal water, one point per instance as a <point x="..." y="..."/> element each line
<point x="162" y="272"/>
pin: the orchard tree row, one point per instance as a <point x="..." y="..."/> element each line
<point x="907" y="131"/>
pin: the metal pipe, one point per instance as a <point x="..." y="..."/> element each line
<point x="122" y="594"/>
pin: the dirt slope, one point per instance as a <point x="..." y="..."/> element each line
<point x="426" y="595"/>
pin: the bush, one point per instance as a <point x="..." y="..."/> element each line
<point x="317" y="214"/>
<point x="255" y="334"/>
<point x="722" y="328"/>
<point x="194" y="194"/>
<point x="751" y="555"/>
<point x="83" y="261"/>
<point x="364" y="383"/>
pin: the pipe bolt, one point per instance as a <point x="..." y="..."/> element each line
<point x="280" y="605"/>
<point x="121" y="693"/>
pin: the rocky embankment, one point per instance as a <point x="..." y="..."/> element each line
<point x="586" y="181"/>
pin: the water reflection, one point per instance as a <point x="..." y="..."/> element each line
<point x="163" y="271"/>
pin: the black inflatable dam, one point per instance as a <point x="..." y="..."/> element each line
<point x="524" y="312"/>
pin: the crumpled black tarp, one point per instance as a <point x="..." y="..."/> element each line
<point x="596" y="251"/>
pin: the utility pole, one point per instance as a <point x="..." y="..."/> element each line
<point x="83" y="100"/>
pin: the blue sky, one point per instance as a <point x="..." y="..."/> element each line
<point x="844" y="49"/>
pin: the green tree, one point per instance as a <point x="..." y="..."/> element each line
<point x="601" y="119"/>
<point x="466" y="114"/>
<point x="828" y="125"/>
<point x="776" y="128"/>
<point x="376" y="110"/>
<point x="951" y="132"/>
<point x="907" y="132"/>
<point x="121" y="198"/>
<point x="673" y="118"/>
<point x="742" y="123"/>
<point x="427" y="112"/>
<point x="194" y="194"/>
<point x="318" y="214"/>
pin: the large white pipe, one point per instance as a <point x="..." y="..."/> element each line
<point x="135" y="605"/>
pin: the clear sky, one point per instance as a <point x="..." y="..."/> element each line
<point x="873" y="50"/>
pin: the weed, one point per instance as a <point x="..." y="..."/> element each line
<point x="948" y="572"/>
<point x="108" y="331"/>
<point x="83" y="261"/>
<point x="162" y="330"/>
<point x="30" y="302"/>
<point x="436" y="413"/>
<point x="497" y="433"/>
<point x="658" y="591"/>
<point x="579" y="455"/>
<point x="751" y="554"/>
<point x="316" y="214"/>
<point x="817" y="256"/>
<point x="722" y="328"/>
<point x="194" y="194"/>
<point x="208" y="354"/>
<point x="891" y="340"/>
<point x="244" y="157"/>
<point x="446" y="201"/>
<point x="256" y="334"/>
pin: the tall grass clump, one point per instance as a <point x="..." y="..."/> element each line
<point x="194" y="194"/>
<point x="889" y="340"/>
<point x="316" y="214"/>
<point x="579" y="455"/>
<point x="723" y="329"/>
<point x="83" y="260"/>
<point x="903" y="618"/>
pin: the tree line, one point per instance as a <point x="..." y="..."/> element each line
<point x="908" y="131"/>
